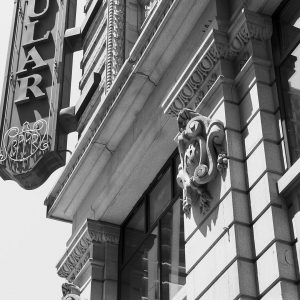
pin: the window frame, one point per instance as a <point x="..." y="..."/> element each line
<point x="175" y="196"/>
<point x="278" y="60"/>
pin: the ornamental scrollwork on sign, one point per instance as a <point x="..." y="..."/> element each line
<point x="20" y="146"/>
<point x="201" y="157"/>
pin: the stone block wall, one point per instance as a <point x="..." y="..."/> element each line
<point x="243" y="248"/>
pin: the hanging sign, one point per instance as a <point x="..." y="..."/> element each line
<point x="36" y="87"/>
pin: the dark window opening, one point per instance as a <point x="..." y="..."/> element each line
<point x="286" y="46"/>
<point x="152" y="263"/>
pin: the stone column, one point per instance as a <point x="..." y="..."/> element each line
<point x="91" y="261"/>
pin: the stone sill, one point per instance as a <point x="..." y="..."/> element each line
<point x="290" y="179"/>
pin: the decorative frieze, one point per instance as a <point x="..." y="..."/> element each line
<point x="79" y="252"/>
<point x="197" y="83"/>
<point x="200" y="144"/>
<point x="247" y="26"/>
<point x="211" y="79"/>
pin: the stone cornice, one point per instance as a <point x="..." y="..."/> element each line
<point x="79" y="250"/>
<point x="162" y="12"/>
<point x="218" y="46"/>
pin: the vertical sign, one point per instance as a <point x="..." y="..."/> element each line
<point x="36" y="87"/>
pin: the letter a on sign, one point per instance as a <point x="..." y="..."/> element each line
<point x="32" y="145"/>
<point x="25" y="87"/>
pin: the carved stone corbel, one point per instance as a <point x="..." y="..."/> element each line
<point x="201" y="157"/>
<point x="70" y="291"/>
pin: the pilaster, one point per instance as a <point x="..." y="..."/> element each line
<point x="91" y="259"/>
<point x="246" y="228"/>
<point x="260" y="121"/>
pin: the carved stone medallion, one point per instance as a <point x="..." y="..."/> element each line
<point x="201" y="157"/>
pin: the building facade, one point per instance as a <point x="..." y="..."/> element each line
<point x="184" y="181"/>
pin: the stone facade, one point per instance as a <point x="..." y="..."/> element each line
<point x="91" y="262"/>
<point x="214" y="60"/>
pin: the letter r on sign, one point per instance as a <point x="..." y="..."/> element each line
<point x="24" y="87"/>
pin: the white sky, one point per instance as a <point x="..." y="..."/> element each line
<point x="30" y="244"/>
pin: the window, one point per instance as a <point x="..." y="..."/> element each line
<point x="152" y="265"/>
<point x="287" y="61"/>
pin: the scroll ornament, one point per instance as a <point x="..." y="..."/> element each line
<point x="70" y="291"/>
<point x="201" y="157"/>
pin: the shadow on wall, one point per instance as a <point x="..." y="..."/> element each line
<point x="207" y="220"/>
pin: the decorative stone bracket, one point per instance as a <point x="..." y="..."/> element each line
<point x="80" y="250"/>
<point x="70" y="292"/>
<point x="201" y="157"/>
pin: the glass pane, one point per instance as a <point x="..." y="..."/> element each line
<point x="290" y="75"/>
<point x="140" y="278"/>
<point x="172" y="253"/>
<point x="134" y="232"/>
<point x="160" y="196"/>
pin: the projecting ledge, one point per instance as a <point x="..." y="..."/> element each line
<point x="88" y="246"/>
<point x="113" y="117"/>
<point x="290" y="179"/>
